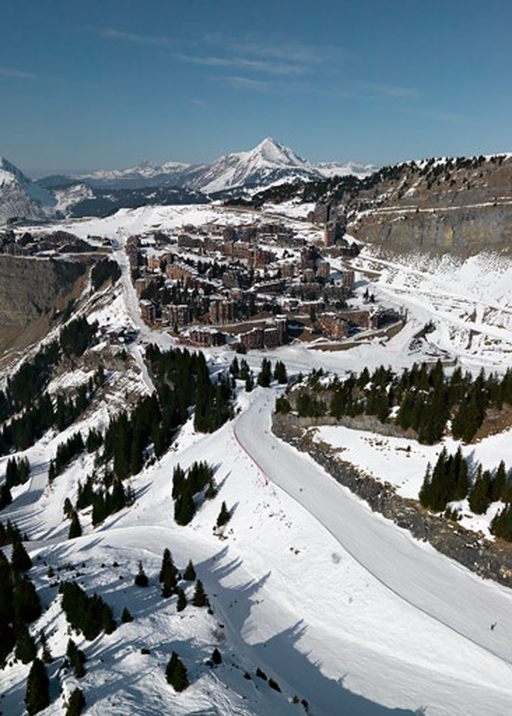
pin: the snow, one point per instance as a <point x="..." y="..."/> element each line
<point x="337" y="604"/>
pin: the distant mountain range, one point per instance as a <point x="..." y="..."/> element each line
<point x="105" y="191"/>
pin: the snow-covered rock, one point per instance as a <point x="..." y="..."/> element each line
<point x="19" y="196"/>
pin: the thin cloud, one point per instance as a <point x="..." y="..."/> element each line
<point x="112" y="34"/>
<point x="16" y="74"/>
<point x="242" y="63"/>
<point x="198" y="102"/>
<point x="391" y="90"/>
<point x="246" y="83"/>
<point x="287" y="53"/>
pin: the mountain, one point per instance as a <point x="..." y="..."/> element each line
<point x="20" y="197"/>
<point x="267" y="164"/>
<point x="79" y="199"/>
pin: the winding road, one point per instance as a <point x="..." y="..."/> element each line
<point x="413" y="571"/>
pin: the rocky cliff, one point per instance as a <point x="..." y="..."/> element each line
<point x="32" y="293"/>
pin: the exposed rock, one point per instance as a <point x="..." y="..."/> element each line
<point x="32" y="290"/>
<point x="491" y="560"/>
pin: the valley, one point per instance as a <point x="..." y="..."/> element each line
<point x="336" y="605"/>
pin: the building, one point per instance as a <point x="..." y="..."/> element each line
<point x="253" y="339"/>
<point x="383" y="317"/>
<point x="179" y="271"/>
<point x="148" y="311"/>
<point x="221" y="310"/>
<point x="207" y="337"/>
<point x="348" y="280"/>
<point x="323" y="270"/>
<point x="153" y="262"/>
<point x="333" y="326"/>
<point x="177" y="314"/>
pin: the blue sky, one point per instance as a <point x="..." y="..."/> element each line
<point x="109" y="83"/>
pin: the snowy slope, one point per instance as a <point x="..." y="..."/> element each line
<point x="20" y="197"/>
<point x="338" y="605"/>
<point x="469" y="300"/>
<point x="266" y="164"/>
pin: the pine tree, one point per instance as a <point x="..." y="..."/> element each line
<point x="182" y="600"/>
<point x="199" y="599"/>
<point x="224" y="515"/>
<point x="37" y="696"/>
<point x="499" y="483"/>
<point x="20" y="560"/>
<point x="167" y="564"/>
<point x="75" y="528"/>
<point x="141" y="579"/>
<point x="190" y="573"/>
<point x="126" y="616"/>
<point x="280" y="373"/>
<point x="479" y="499"/>
<point x="265" y="374"/>
<point x="5" y="496"/>
<point x="27" y="607"/>
<point x="76" y="658"/>
<point x="25" y="650"/>
<point x="68" y="508"/>
<point x="46" y="653"/>
<point x="184" y="509"/>
<point x="234" y="368"/>
<point x="176" y="674"/>
<point x="249" y="383"/>
<point x="216" y="657"/>
<point x="76" y="703"/>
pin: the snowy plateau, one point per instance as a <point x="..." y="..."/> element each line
<point x="310" y="591"/>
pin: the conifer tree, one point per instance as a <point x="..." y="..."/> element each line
<point x="5" y="496"/>
<point x="141" y="579"/>
<point x="182" y="600"/>
<point x="76" y="703"/>
<point x="167" y="564"/>
<point x="75" y="528"/>
<point x="234" y="368"/>
<point x="479" y="495"/>
<point x="499" y="483"/>
<point x="176" y="674"/>
<point x="25" y="650"/>
<point x="67" y="508"/>
<point x="190" y="573"/>
<point x="76" y="658"/>
<point x="501" y="525"/>
<point x="249" y="383"/>
<point x="37" y="695"/>
<point x="27" y="607"/>
<point x="216" y="657"/>
<point x="265" y="374"/>
<point x="184" y="509"/>
<point x="126" y="616"/>
<point x="211" y="490"/>
<point x="46" y="653"/>
<point x="224" y="515"/>
<point x="199" y="599"/>
<point x="280" y="373"/>
<point x="20" y="560"/>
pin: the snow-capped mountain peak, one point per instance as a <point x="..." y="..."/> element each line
<point x="271" y="152"/>
<point x="19" y="196"/>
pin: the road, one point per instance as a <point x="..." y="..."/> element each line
<point x="414" y="571"/>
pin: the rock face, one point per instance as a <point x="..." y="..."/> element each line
<point x="458" y="205"/>
<point x="490" y="560"/>
<point x="20" y="197"/>
<point x="462" y="230"/>
<point x="32" y="289"/>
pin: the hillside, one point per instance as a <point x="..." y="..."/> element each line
<point x="316" y="603"/>
<point x="461" y="205"/>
